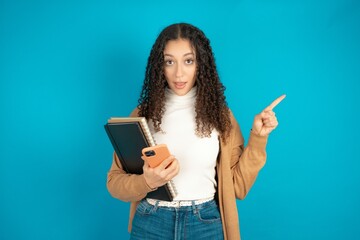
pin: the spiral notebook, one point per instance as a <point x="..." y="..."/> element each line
<point x="129" y="135"/>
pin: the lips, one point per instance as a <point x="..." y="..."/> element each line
<point x="180" y="85"/>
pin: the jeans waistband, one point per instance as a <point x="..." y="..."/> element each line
<point x="180" y="203"/>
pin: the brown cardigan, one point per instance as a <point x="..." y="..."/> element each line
<point x="237" y="168"/>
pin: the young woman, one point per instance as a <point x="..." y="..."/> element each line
<point x="183" y="100"/>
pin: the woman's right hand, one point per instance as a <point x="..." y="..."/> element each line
<point x="160" y="175"/>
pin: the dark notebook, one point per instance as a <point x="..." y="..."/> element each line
<point x="129" y="135"/>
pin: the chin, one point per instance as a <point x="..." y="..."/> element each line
<point x="180" y="93"/>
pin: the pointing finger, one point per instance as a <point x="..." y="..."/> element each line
<point x="274" y="103"/>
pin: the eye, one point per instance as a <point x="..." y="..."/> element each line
<point x="169" y="62"/>
<point x="189" y="61"/>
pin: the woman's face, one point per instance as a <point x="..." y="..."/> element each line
<point x="180" y="66"/>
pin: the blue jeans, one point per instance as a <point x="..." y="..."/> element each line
<point x="174" y="223"/>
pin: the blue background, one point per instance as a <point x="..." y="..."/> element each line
<point x="67" y="66"/>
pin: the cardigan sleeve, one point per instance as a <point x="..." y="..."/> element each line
<point x="124" y="186"/>
<point x="246" y="162"/>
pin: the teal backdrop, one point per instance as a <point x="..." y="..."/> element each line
<point x="67" y="66"/>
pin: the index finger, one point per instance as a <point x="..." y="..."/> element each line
<point x="275" y="103"/>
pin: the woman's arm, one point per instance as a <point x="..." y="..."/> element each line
<point x="134" y="187"/>
<point x="246" y="162"/>
<point x="124" y="186"/>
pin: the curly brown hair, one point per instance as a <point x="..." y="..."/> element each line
<point x="210" y="107"/>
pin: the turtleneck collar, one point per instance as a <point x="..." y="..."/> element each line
<point x="171" y="97"/>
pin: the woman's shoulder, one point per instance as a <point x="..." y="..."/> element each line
<point x="231" y="115"/>
<point x="135" y="112"/>
<point x="233" y="121"/>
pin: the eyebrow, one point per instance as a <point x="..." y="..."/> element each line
<point x="186" y="54"/>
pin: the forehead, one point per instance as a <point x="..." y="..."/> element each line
<point x="178" y="47"/>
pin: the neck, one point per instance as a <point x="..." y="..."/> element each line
<point x="172" y="97"/>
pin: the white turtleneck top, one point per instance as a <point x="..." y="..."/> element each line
<point x="197" y="156"/>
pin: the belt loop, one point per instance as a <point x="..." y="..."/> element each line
<point x="156" y="205"/>
<point x="193" y="207"/>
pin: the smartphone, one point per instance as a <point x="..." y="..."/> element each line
<point x="156" y="154"/>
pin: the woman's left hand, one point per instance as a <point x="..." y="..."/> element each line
<point x="266" y="121"/>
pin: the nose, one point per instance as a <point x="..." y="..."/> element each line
<point x="179" y="71"/>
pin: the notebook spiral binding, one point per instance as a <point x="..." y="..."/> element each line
<point x="152" y="143"/>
